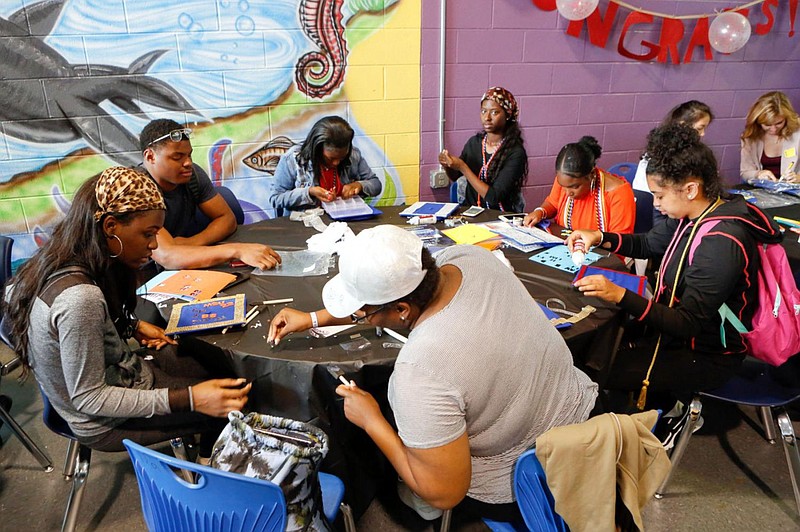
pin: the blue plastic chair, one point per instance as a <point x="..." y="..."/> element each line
<point x="752" y="386"/>
<point x="626" y="170"/>
<point x="644" y="211"/>
<point x="218" y="500"/>
<point x="534" y="498"/>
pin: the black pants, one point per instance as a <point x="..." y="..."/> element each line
<point x="677" y="373"/>
<point x="187" y="364"/>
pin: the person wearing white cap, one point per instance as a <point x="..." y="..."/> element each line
<point x="482" y="375"/>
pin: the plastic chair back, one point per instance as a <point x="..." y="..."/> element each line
<point x="533" y="495"/>
<point x="644" y="211"/>
<point x="6" y="244"/>
<point x="626" y="170"/>
<point x="53" y="419"/>
<point x="218" y="501"/>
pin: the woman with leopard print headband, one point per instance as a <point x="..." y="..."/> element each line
<point x="70" y="313"/>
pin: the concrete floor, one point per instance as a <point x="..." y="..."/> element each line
<point x="730" y="479"/>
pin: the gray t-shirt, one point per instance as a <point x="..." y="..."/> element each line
<point x="90" y="376"/>
<point x="490" y="364"/>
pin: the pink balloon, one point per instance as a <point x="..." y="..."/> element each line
<point x="729" y="32"/>
<point x="576" y="9"/>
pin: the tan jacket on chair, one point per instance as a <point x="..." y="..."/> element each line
<point x="585" y="462"/>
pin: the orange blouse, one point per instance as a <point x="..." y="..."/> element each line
<point x="618" y="207"/>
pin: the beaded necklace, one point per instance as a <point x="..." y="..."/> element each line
<point x="485" y="167"/>
<point x="599" y="194"/>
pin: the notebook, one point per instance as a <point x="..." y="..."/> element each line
<point x="208" y="314"/>
<point x="429" y="208"/>
<point x="634" y="283"/>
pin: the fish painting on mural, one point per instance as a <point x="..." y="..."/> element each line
<point x="46" y="99"/>
<point x="265" y="159"/>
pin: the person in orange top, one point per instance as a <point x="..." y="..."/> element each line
<point x="585" y="196"/>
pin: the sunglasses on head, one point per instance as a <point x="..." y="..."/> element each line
<point x="176" y="135"/>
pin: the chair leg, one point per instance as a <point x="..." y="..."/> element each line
<point x="765" y="413"/>
<point x="695" y="407"/>
<point x="347" y="517"/>
<point x="80" y="474"/>
<point x="71" y="461"/>
<point x="447" y="515"/>
<point x="29" y="444"/>
<point x="180" y="453"/>
<point x="792" y="455"/>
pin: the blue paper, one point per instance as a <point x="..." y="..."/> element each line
<point x="559" y="257"/>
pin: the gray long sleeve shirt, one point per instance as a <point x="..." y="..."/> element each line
<point x="89" y="374"/>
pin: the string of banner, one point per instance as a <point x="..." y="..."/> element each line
<point x="728" y="32"/>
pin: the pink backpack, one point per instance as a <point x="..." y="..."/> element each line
<point x="776" y="323"/>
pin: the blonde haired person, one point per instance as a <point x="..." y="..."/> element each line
<point x="771" y="140"/>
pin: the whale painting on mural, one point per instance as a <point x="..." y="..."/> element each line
<point x="45" y="99"/>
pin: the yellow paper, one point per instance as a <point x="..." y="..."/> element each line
<point x="789" y="152"/>
<point x="469" y="234"/>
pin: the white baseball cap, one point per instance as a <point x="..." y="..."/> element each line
<point x="377" y="266"/>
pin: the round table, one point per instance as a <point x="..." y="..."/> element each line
<point x="292" y="379"/>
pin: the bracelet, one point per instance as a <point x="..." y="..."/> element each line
<point x="544" y="212"/>
<point x="314" y="320"/>
<point x="191" y="400"/>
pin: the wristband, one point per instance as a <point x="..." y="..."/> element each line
<point x="314" y="321"/>
<point x="544" y="212"/>
<point x="191" y="400"/>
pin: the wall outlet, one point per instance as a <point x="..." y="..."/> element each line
<point x="439" y="179"/>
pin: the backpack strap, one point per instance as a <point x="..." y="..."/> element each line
<point x="725" y="313"/>
<point x="194" y="187"/>
<point x="60" y="280"/>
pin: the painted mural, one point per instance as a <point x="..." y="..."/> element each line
<point x="79" y="79"/>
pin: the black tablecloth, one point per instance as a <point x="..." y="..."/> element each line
<point x="292" y="380"/>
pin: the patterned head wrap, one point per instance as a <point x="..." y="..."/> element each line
<point x="120" y="190"/>
<point x="504" y="99"/>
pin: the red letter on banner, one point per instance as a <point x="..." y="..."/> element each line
<point x="636" y="18"/>
<point x="699" y="38"/>
<point x="766" y="8"/>
<point x="545" y="5"/>
<point x="671" y="35"/>
<point x="597" y="26"/>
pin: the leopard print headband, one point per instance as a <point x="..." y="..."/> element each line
<point x="120" y="190"/>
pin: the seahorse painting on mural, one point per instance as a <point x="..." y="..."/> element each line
<point x="321" y="72"/>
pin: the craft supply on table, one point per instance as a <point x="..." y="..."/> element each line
<point x="560" y="258"/>
<point x="208" y="314"/>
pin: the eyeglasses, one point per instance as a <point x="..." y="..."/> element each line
<point x="176" y="135"/>
<point x="363" y="319"/>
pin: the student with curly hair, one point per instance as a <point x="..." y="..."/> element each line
<point x="707" y="248"/>
<point x="324" y="167"/>
<point x="494" y="161"/>
<point x="771" y="140"/>
<point x="584" y="195"/>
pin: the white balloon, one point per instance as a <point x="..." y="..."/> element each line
<point x="576" y="9"/>
<point x="728" y="32"/>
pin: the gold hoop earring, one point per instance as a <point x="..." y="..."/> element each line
<point x="121" y="247"/>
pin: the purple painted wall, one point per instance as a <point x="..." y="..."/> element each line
<point x="567" y="87"/>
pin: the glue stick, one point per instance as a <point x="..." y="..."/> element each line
<point x="578" y="252"/>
